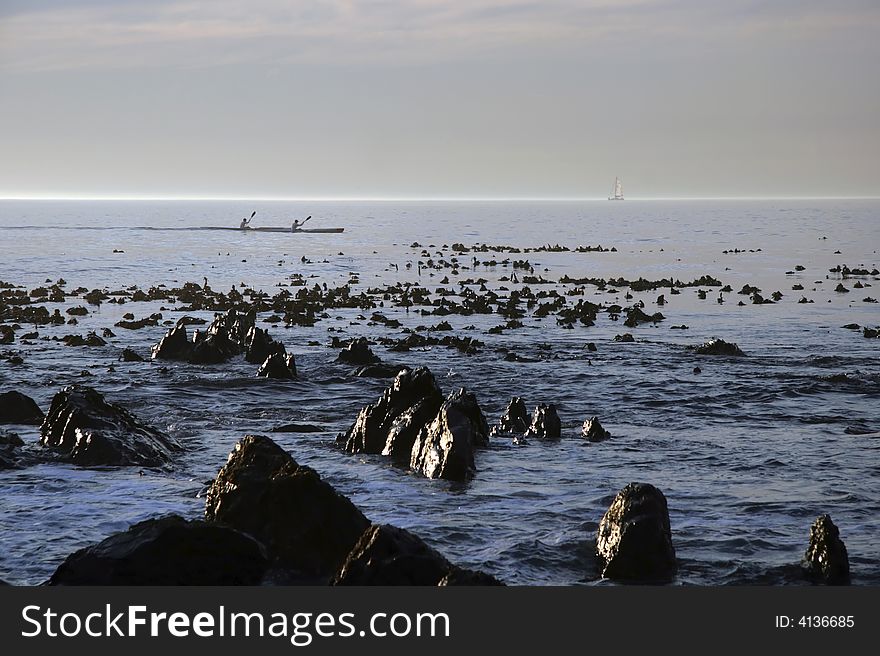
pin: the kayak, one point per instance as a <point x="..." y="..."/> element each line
<point x="309" y="230"/>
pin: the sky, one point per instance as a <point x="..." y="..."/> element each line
<point x="439" y="99"/>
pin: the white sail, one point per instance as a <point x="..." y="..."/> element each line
<point x="616" y="190"/>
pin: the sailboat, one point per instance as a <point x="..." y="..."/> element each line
<point x="616" y="190"/>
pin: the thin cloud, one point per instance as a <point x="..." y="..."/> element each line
<point x="102" y="35"/>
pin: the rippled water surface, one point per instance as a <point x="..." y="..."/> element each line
<point x="748" y="452"/>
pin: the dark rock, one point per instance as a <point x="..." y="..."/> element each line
<point x="841" y="289"/>
<point x="167" y="551"/>
<point x="871" y="333"/>
<point x="129" y="355"/>
<point x="697" y="370"/>
<point x="260" y="346"/>
<point x="636" y="315"/>
<point x="306" y="526"/>
<point x="296" y="428"/>
<point x="378" y="370"/>
<point x="92" y="431"/>
<point x="358" y="353"/>
<point x="718" y="347"/>
<point x="514" y="420"/>
<point x="626" y="337"/>
<point x="18" y="408"/>
<point x="7" y="335"/>
<point x="545" y="423"/>
<point x="389" y="425"/>
<point x="173" y="346"/>
<point x="634" y="540"/>
<point x="278" y="365"/>
<point x="461" y="576"/>
<point x="591" y="346"/>
<point x="387" y="555"/>
<point x="593" y="431"/>
<point x="445" y="447"/>
<point x="11" y="439"/>
<point x="826" y="560"/>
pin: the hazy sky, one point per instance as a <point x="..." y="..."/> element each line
<point x="423" y="98"/>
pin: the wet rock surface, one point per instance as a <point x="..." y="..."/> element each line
<point x="826" y="560"/>
<point x="634" y="540"/>
<point x="593" y="431"/>
<point x="167" y="551"/>
<point x="358" y="352"/>
<point x="545" y="423"/>
<point x="18" y="408"/>
<point x="278" y="365"/>
<point x="86" y="429"/>
<point x="306" y="526"/>
<point x="719" y="347"/>
<point x="445" y="447"/>
<point x="515" y="419"/>
<point x="387" y="555"/>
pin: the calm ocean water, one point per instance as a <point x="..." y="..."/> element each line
<point x="748" y="452"/>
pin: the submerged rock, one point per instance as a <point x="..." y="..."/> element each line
<point x="89" y="430"/>
<point x="18" y="408"/>
<point x="514" y="420"/>
<point x="167" y="551"/>
<point x="378" y="370"/>
<point x="390" y="425"/>
<point x="278" y="365"/>
<point x="445" y="447"/>
<point x="625" y="337"/>
<point x="826" y="560"/>
<point x="545" y="423"/>
<point x="306" y="526"/>
<point x="7" y="335"/>
<point x="358" y="352"/>
<point x="387" y="555"/>
<point x="129" y="355"/>
<point x="636" y="315"/>
<point x="634" y="540"/>
<point x="593" y="431"/>
<point x="718" y="347"/>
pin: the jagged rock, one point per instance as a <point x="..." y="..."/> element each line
<point x="634" y="540"/>
<point x="636" y="315"/>
<point x="826" y="560"/>
<point x="461" y="576"/>
<point x="390" y="425"/>
<point x="445" y="447"/>
<point x="625" y="337"/>
<point x="306" y="526"/>
<point x="358" y="353"/>
<point x="173" y="346"/>
<point x="545" y="423"/>
<point x="89" y="430"/>
<point x="514" y="420"/>
<point x="278" y="365"/>
<point x="7" y="335"/>
<point x="167" y="551"/>
<point x="128" y="355"/>
<point x="378" y="370"/>
<point x="718" y="347"/>
<point x="259" y="346"/>
<point x="18" y="408"/>
<point x="387" y="555"/>
<point x="593" y="430"/>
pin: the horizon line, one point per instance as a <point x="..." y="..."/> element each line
<point x="432" y="199"/>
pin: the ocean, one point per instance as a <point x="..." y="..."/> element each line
<point x="748" y="452"/>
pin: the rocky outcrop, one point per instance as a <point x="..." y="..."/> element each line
<point x="128" y="355"/>
<point x="445" y="447"/>
<point x="259" y="346"/>
<point x="390" y="425"/>
<point x="306" y="526"/>
<point x="718" y="347"/>
<point x="228" y="335"/>
<point x="593" y="431"/>
<point x="358" y="352"/>
<point x="545" y="423"/>
<point x="826" y="560"/>
<point x="167" y="551"/>
<point x="634" y="540"/>
<point x="88" y="430"/>
<point x="18" y="408"/>
<point x="278" y="365"/>
<point x="515" y="419"/>
<point x="635" y="316"/>
<point x="387" y="555"/>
